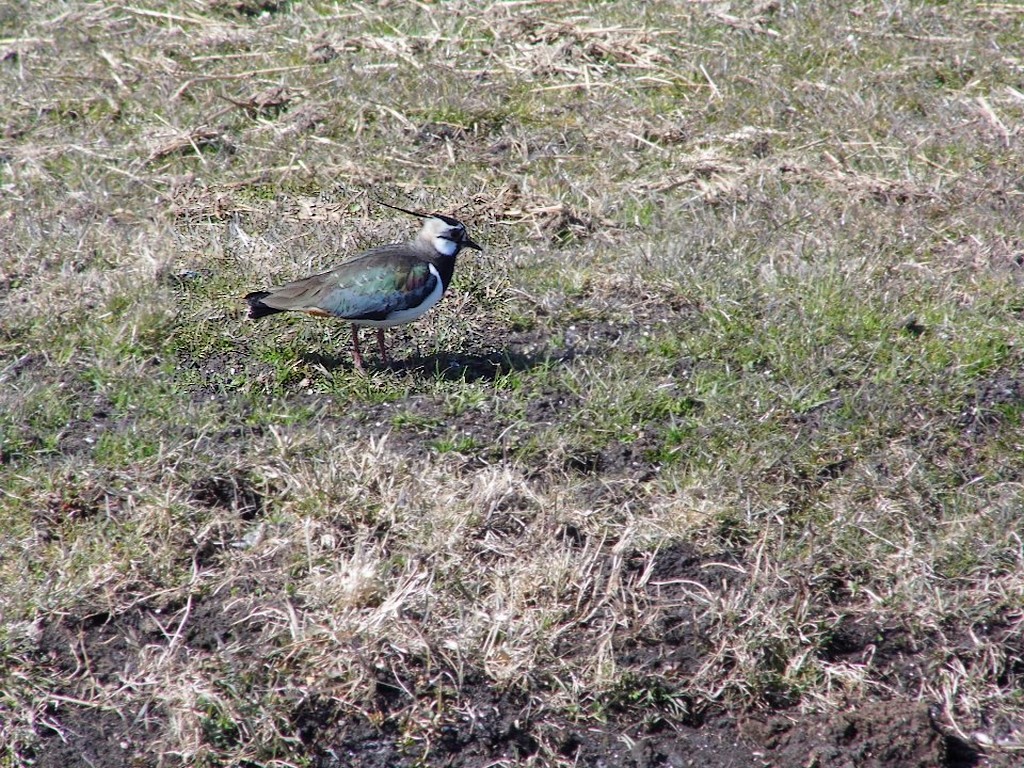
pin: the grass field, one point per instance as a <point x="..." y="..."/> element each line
<point x="714" y="456"/>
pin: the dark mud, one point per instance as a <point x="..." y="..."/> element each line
<point x="481" y="724"/>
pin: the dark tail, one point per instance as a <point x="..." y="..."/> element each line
<point x="257" y="308"/>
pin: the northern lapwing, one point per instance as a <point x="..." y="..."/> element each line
<point x="381" y="287"/>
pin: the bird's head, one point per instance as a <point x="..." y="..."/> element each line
<point x="444" y="234"/>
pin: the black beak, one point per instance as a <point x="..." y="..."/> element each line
<point x="467" y="243"/>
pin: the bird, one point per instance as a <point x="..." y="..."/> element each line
<point x="380" y="288"/>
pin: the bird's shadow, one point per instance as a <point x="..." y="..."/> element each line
<point x="450" y="367"/>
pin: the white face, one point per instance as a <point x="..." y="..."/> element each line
<point x="444" y="245"/>
<point x="443" y="236"/>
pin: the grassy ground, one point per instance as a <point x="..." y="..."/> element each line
<point x="715" y="451"/>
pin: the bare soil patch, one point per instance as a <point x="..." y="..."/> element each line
<point x="492" y="725"/>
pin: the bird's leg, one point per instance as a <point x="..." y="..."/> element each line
<point x="380" y="345"/>
<point x="357" y="358"/>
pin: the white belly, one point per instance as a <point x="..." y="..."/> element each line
<point x="408" y="315"/>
